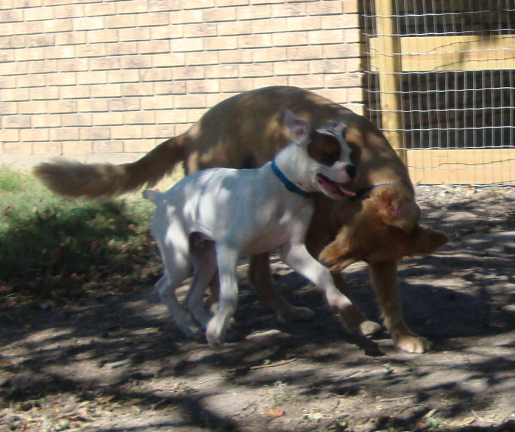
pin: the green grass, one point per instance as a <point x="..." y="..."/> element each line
<point x="56" y="248"/>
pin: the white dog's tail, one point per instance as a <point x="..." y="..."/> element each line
<point x="152" y="195"/>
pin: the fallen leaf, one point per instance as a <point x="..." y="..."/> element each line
<point x="275" y="412"/>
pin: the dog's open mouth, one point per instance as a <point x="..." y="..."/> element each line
<point x="334" y="188"/>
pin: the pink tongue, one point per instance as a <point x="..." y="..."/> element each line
<point x="336" y="187"/>
<point x="346" y="192"/>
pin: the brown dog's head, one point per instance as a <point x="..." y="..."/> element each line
<point x="382" y="227"/>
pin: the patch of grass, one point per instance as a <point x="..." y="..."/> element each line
<point x="60" y="249"/>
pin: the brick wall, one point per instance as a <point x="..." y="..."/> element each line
<point x="108" y="80"/>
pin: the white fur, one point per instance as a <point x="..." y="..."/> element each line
<point x="210" y="218"/>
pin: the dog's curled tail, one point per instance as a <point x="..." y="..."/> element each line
<point x="152" y="195"/>
<point x="75" y="179"/>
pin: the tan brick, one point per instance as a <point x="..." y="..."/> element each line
<point x="325" y="37"/>
<point x="289" y="39"/>
<point x="120" y="21"/>
<point x="9" y="82"/>
<point x="325" y="8"/>
<point x="123" y="76"/>
<point x="201" y="58"/>
<point x="337" y="95"/>
<point x="17" y="148"/>
<point x="38" y="14"/>
<point x="126" y="132"/>
<point x="153" y="75"/>
<point x="104" y="119"/>
<point x="167" y="32"/>
<point x="197" y="4"/>
<point x="16" y="122"/>
<point x="30" y="54"/>
<point x="235" y="56"/>
<point x="236" y="85"/>
<point x="62" y="107"/>
<point x="73" y="65"/>
<point x="95" y="133"/>
<point x="358" y="108"/>
<point x="158" y="131"/>
<point x="69" y="11"/>
<point x="199" y="30"/>
<point x="28" y="3"/>
<point x="27" y="28"/>
<point x="108" y="146"/>
<point x="328" y="66"/>
<point x="14" y="68"/>
<point x="221" y="3"/>
<point x="29" y="135"/>
<point x="189" y="44"/>
<point x="136" y="62"/>
<point x="99" y="9"/>
<point x="75" y="92"/>
<point x="152" y="47"/>
<point x="169" y="117"/>
<point x="292" y="68"/>
<point x="60" y="52"/>
<point x="355" y="94"/>
<point x="6" y="4"/>
<point x="269" y="54"/>
<point x="164" y="5"/>
<point x="138" y="118"/>
<point x="92" y="50"/>
<point x="170" y="87"/>
<point x="186" y="17"/>
<point x="46" y="148"/>
<point x="270" y="81"/>
<point x="195" y="114"/>
<point x="341" y="51"/>
<point x="11" y="16"/>
<point x="138" y="146"/>
<point x="131" y="6"/>
<point x="340" y="21"/>
<point x="306" y="81"/>
<point x="255" y="41"/>
<point x="124" y="104"/>
<point x="10" y="135"/>
<point x="188" y="72"/>
<point x="101" y="36"/>
<point x="351" y="36"/>
<point x="32" y="80"/>
<point x="104" y="63"/>
<point x="289" y="10"/>
<point x="220" y="15"/>
<point x="343" y="80"/>
<point x="12" y="42"/>
<point x="40" y="40"/>
<point x="88" y="23"/>
<point x="182" y="128"/>
<point x="106" y="90"/>
<point x="273" y="25"/>
<point x="203" y="86"/>
<point x="254" y="12"/>
<point x="189" y="101"/>
<point x="122" y="49"/>
<point x="61" y="79"/>
<point x="14" y="95"/>
<point x="134" y="34"/>
<point x="8" y="108"/>
<point x="168" y="60"/>
<point x="234" y="28"/>
<point x="256" y="70"/>
<point x="157" y="103"/>
<point x="92" y="105"/>
<point x="70" y="38"/>
<point x="89" y="77"/>
<point x="42" y="66"/>
<point x="304" y="53"/>
<point x="77" y="147"/>
<point x="138" y="89"/>
<point x="220" y="43"/>
<point x="46" y="121"/>
<point x="64" y="134"/>
<point x="44" y="93"/>
<point x="303" y="23"/>
<point x="152" y="19"/>
<point x="350" y="6"/>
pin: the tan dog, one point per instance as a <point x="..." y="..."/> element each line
<point x="245" y="131"/>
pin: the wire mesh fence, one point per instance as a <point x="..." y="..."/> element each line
<point x="441" y="84"/>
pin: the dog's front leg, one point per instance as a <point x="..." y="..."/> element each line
<point x="227" y="259"/>
<point x="383" y="276"/>
<point x="299" y="259"/>
<point x="260" y="277"/>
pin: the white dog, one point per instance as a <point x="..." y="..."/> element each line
<point x="211" y="217"/>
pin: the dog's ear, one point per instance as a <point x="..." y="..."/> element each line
<point x="397" y="210"/>
<point x="338" y="128"/>
<point x="299" y="129"/>
<point x="428" y="240"/>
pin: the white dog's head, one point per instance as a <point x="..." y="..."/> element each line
<point x="328" y="155"/>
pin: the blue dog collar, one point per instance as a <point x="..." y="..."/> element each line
<point x="292" y="187"/>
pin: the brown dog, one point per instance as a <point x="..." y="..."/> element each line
<point x="245" y="131"/>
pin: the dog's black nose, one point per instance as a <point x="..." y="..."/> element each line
<point x="351" y="170"/>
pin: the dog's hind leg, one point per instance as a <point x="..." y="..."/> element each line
<point x="203" y="258"/>
<point x="260" y="277"/>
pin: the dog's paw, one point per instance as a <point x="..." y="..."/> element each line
<point x="412" y="343"/>
<point x="369" y="328"/>
<point x="296" y="314"/>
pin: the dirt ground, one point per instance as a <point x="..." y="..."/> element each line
<point x="122" y="365"/>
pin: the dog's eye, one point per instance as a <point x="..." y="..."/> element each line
<point x="330" y="158"/>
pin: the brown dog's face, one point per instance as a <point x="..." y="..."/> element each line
<point x="384" y="227"/>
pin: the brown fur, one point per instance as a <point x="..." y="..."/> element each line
<point x="246" y="131"/>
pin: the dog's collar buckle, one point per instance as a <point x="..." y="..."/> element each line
<point x="292" y="187"/>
